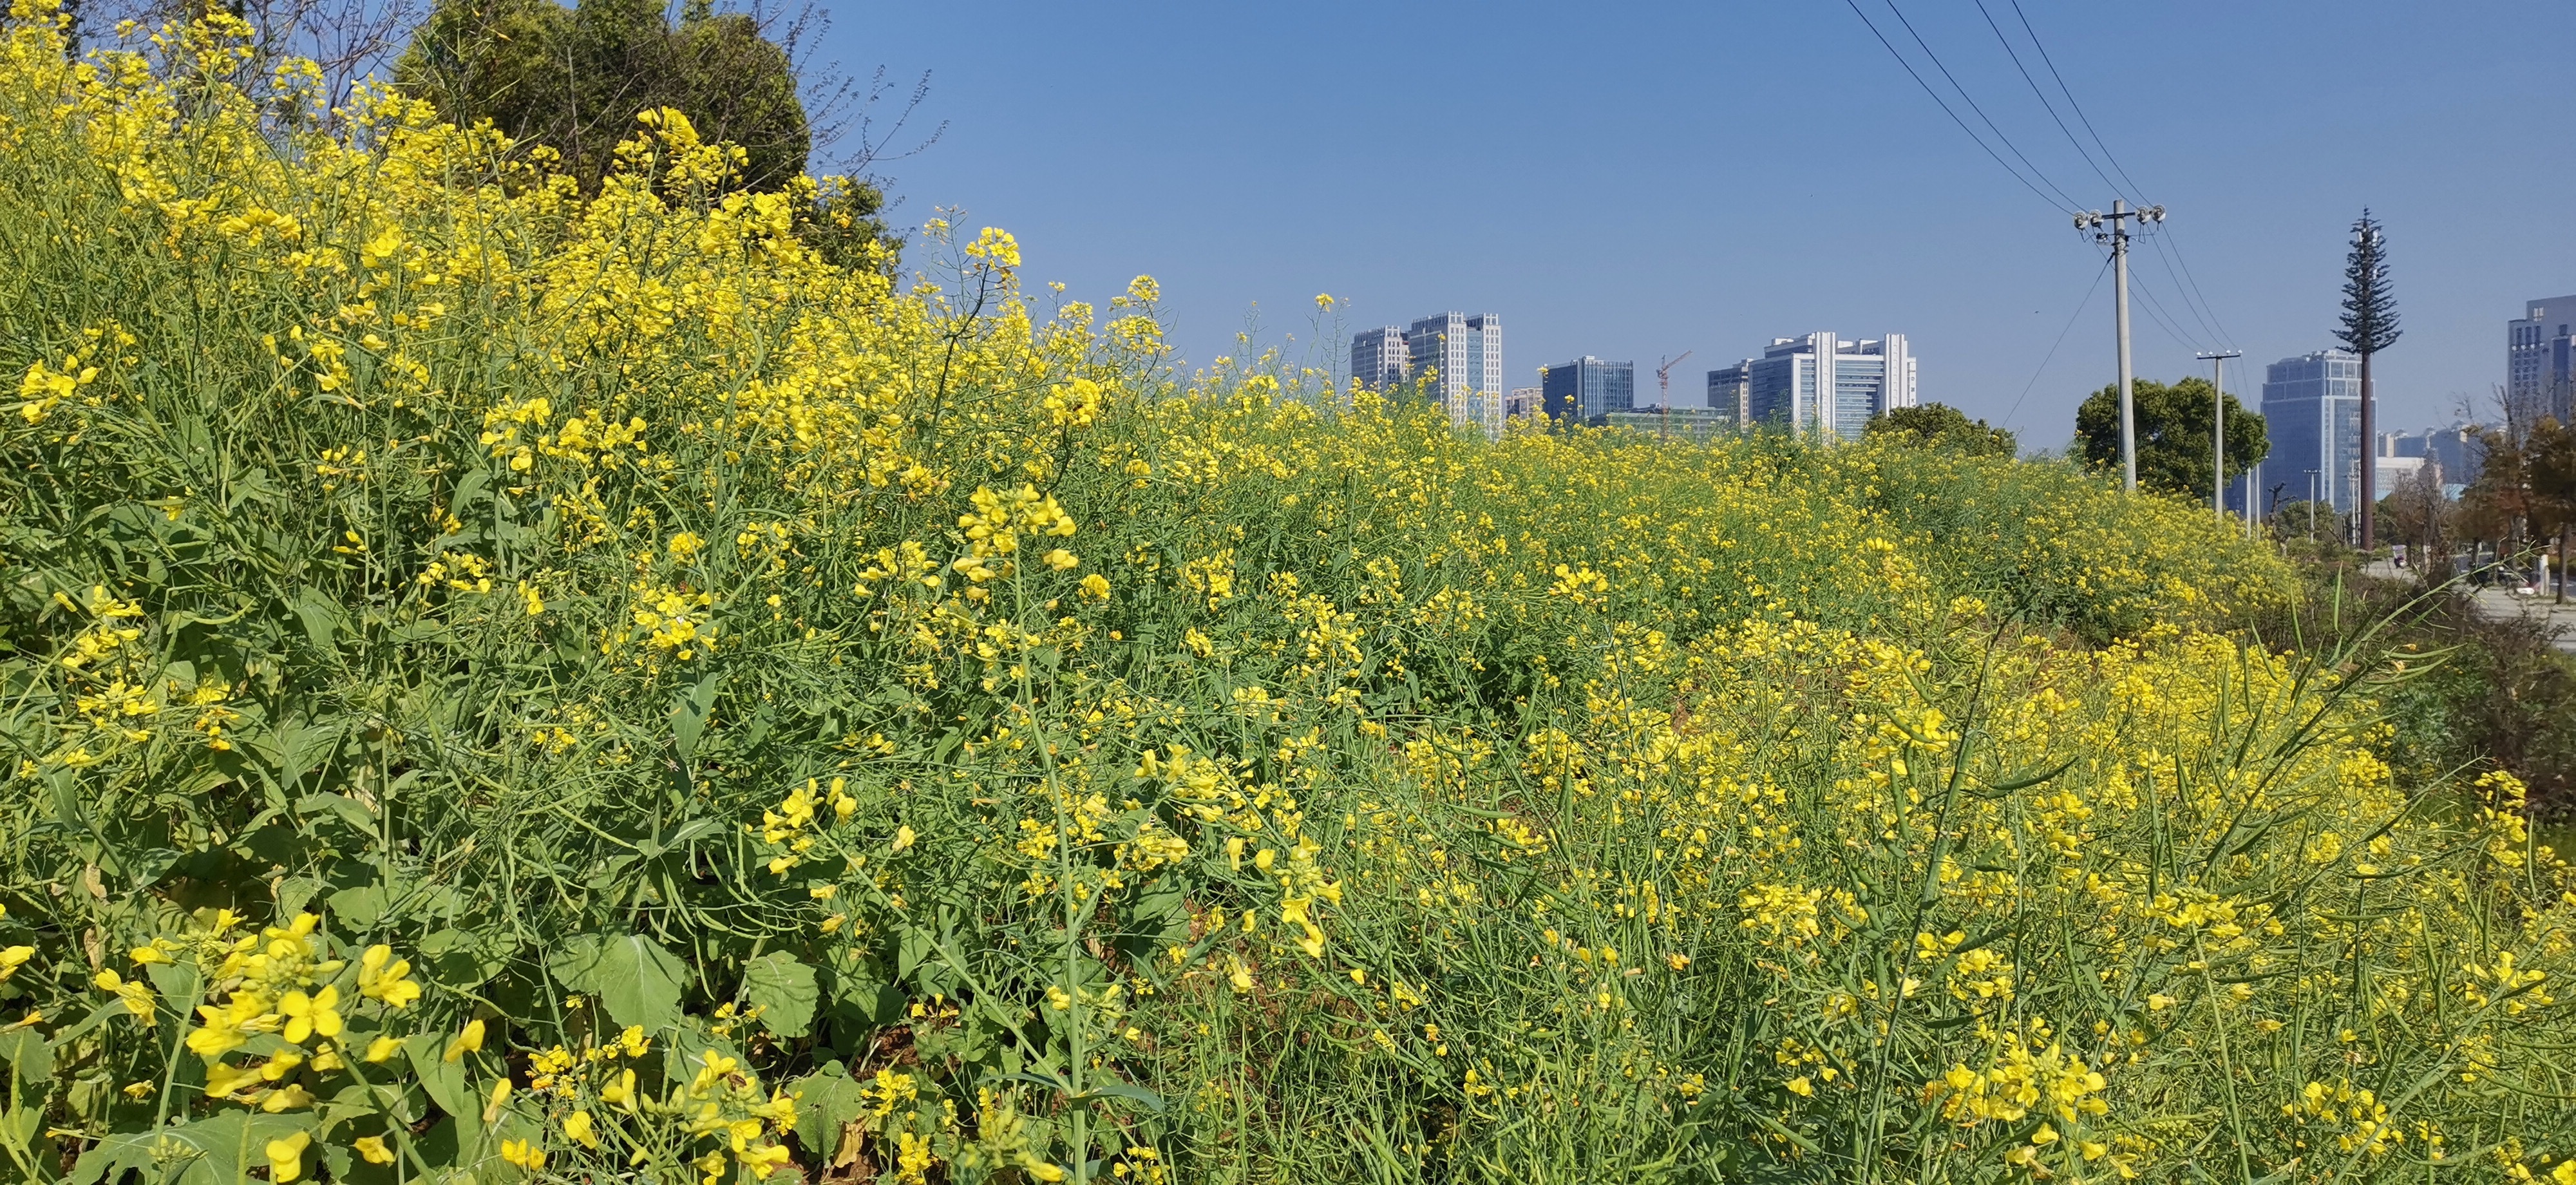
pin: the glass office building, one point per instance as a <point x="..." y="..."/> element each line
<point x="1730" y="393"/>
<point x="1380" y="359"/>
<point x="1822" y="384"/>
<point x="2312" y="413"/>
<point x="2540" y="360"/>
<point x="1574" y="392"/>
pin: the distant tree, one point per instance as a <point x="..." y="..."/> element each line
<point x="573" y="79"/>
<point x="2173" y="423"/>
<point x="2417" y="512"/>
<point x="2549" y="457"/>
<point x="2499" y="504"/>
<point x="2368" y="325"/>
<point x="1940" y="425"/>
<point x="2299" y="518"/>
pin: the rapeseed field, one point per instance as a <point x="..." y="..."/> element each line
<point x="509" y="685"/>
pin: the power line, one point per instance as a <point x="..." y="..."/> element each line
<point x="1972" y="104"/>
<point x="2071" y="319"/>
<point x="2166" y="320"/>
<point x="1945" y="106"/>
<point x="2195" y="287"/>
<point x="2078" y="108"/>
<point x="2218" y="326"/>
<point x="2173" y="273"/>
<point x="2044" y="102"/>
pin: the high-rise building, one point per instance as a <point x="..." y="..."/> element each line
<point x="2540" y="360"/>
<point x="2312" y="414"/>
<point x="1730" y="393"/>
<point x="2456" y="452"/>
<point x="2461" y="451"/>
<point x="1573" y="392"/>
<point x="1379" y="359"/>
<point x="1524" y="402"/>
<point x="1822" y="383"/>
<point x="1466" y="353"/>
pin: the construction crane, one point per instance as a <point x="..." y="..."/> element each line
<point x="1664" y="388"/>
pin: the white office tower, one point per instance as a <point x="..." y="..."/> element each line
<point x="1823" y="384"/>
<point x="1379" y="359"/>
<point x="1467" y="351"/>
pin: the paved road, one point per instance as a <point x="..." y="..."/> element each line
<point x="2495" y="604"/>
<point x="2560" y="620"/>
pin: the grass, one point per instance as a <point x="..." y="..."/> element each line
<point x="509" y="685"/>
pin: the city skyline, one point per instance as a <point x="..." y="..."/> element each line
<point x="2240" y="119"/>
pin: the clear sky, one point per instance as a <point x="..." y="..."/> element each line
<point x="1632" y="181"/>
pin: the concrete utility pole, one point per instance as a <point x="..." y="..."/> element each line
<point x="2218" y="436"/>
<point x="2118" y="238"/>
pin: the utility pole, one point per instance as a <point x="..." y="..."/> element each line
<point x="2218" y="434"/>
<point x="2312" y="506"/>
<point x="1664" y="385"/>
<point x="2118" y="238"/>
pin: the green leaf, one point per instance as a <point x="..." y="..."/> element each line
<point x="349" y="810"/>
<point x="635" y="979"/>
<point x="177" y="983"/>
<point x="470" y="488"/>
<point x="221" y="1149"/>
<point x="463" y="959"/>
<point x="320" y="615"/>
<point x="26" y="1052"/>
<point x="359" y="908"/>
<point x="689" y="715"/>
<point x="296" y="892"/>
<point x="784" y="990"/>
<point x="98" y="1017"/>
<point x="826" y="1101"/>
<point x="110" y="1159"/>
<point x="354" y="1102"/>
<point x="18" y="1128"/>
<point x="570" y="963"/>
<point x="1134" y="1094"/>
<point x="912" y="948"/>
<point x="444" y="1080"/>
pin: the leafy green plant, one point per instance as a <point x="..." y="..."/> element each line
<point x="783" y="724"/>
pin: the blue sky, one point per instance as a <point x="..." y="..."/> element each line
<point x="1631" y="181"/>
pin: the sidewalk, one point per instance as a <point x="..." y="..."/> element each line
<point x="2496" y="604"/>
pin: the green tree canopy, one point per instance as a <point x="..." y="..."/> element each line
<point x="1940" y="425"/>
<point x="2173" y="424"/>
<point x="573" y="79"/>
